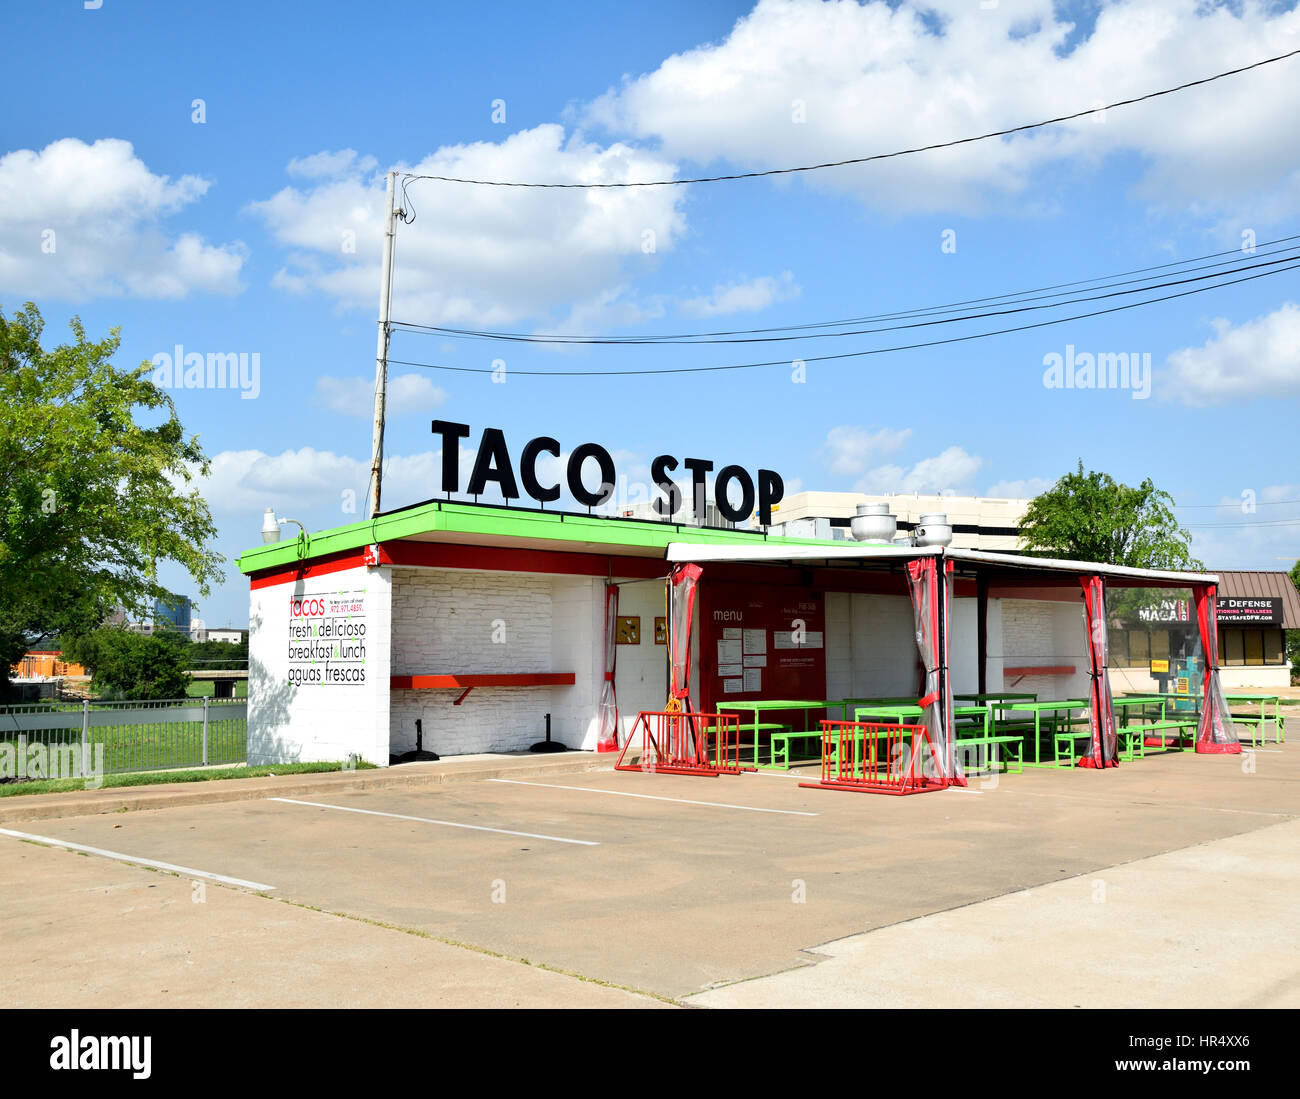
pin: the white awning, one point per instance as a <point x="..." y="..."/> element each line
<point x="1088" y="568"/>
<point x="846" y="552"/>
<point x="775" y="552"/>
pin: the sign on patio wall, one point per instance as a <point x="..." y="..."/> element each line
<point x="761" y="641"/>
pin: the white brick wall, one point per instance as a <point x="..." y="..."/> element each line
<point x="449" y="621"/>
<point x="870" y="645"/>
<point x="963" y="646"/>
<point x="642" y="670"/>
<point x="1042" y="632"/>
<point x="310" y="723"/>
<point x="443" y="623"/>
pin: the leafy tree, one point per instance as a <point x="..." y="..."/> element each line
<point x="1293" y="636"/>
<point x="1091" y="517"/>
<point x="219" y="654"/>
<point x="126" y="664"/>
<point x="90" y="499"/>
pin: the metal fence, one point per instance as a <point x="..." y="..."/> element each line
<point x="78" y="739"/>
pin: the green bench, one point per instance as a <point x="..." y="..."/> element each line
<point x="773" y="727"/>
<point x="1133" y="742"/>
<point x="1068" y="737"/>
<point x="780" y="750"/>
<point x="1256" y="721"/>
<point x="989" y="743"/>
<point x="1141" y="732"/>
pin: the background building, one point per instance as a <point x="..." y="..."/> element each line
<point x="1154" y="645"/>
<point x="977" y="522"/>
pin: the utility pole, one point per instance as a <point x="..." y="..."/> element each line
<point x="381" y="354"/>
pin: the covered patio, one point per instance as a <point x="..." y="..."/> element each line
<point x="860" y="656"/>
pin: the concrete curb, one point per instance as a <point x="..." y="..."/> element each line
<point x="406" y="776"/>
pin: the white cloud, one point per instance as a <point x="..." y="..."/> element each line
<point x="745" y="296"/>
<point x="1025" y="489"/>
<point x="331" y="165"/>
<point x="79" y="221"/>
<point x="480" y="255"/>
<point x="876" y="77"/>
<point x="950" y="471"/>
<point x="1260" y="358"/>
<point x="850" y="450"/>
<point x="318" y="487"/>
<point x="407" y="394"/>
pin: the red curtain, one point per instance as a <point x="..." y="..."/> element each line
<point x="1101" y="706"/>
<point x="682" y="580"/>
<point x="607" y="736"/>
<point x="1215" y="733"/>
<point x="930" y="607"/>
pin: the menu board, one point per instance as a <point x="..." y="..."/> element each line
<point x="760" y="641"/>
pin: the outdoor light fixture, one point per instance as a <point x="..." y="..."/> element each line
<point x="271" y="526"/>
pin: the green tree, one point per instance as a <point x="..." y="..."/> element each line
<point x="1091" y="517"/>
<point x="219" y="654"/>
<point x="91" y="500"/>
<point x="126" y="664"/>
<point x="1293" y="636"/>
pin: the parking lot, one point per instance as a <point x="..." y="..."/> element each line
<point x="648" y="887"/>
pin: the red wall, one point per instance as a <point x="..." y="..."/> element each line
<point x="794" y="673"/>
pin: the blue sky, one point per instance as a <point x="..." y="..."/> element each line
<point x="224" y="227"/>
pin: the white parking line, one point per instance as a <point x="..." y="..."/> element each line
<point x="653" y="797"/>
<point x="431" y="820"/>
<point x="186" y="871"/>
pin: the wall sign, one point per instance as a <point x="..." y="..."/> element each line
<point x="1167" y="610"/>
<point x="1237" y="611"/>
<point x="493" y="465"/>
<point x="327" y="638"/>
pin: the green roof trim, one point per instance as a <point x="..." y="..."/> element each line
<point x="487" y="520"/>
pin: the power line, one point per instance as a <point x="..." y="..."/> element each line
<point x="1237" y="504"/>
<point x="850" y="354"/>
<point x="920" y="311"/>
<point x="899" y="327"/>
<point x="410" y="177"/>
<point x="1260" y="523"/>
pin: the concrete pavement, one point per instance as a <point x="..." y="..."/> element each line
<point x="1211" y="926"/>
<point x="169" y="795"/>
<point x="88" y="932"/>
<point x="702" y="889"/>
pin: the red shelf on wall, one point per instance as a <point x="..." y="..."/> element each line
<point x="466" y="683"/>
<point x="517" y="679"/>
<point x="1052" y="669"/>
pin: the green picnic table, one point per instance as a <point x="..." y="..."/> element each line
<point x="1051" y="708"/>
<point x="993" y="696"/>
<point x="986" y="736"/>
<point x="1261" y="699"/>
<point x="1133" y="735"/>
<point x="905" y="710"/>
<point x="1126" y="701"/>
<point x="760" y="706"/>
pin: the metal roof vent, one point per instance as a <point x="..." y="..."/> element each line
<point x="873" y="523"/>
<point x="932" y="530"/>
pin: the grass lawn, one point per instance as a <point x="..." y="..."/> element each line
<point x="203" y="688"/>
<point x="146" y="746"/>
<point x="156" y="778"/>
